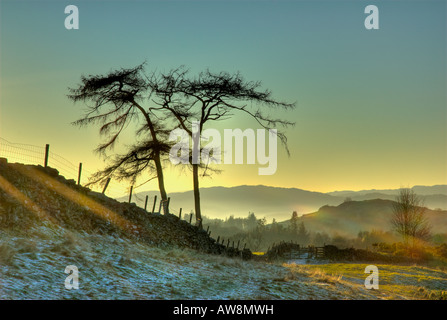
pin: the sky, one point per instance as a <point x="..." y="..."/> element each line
<point x="370" y="111"/>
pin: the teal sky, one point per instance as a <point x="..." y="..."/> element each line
<point x="371" y="104"/>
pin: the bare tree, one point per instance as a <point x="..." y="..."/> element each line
<point x="409" y="219"/>
<point x="117" y="99"/>
<point x="212" y="97"/>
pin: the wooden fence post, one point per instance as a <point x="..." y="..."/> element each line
<point x="167" y="206"/>
<point x="180" y="214"/>
<point x="155" y="201"/>
<point x="47" y="154"/>
<point x="79" y="173"/>
<point x="130" y="193"/>
<point x="145" y="202"/>
<point x="106" y="185"/>
<point x="218" y="238"/>
<point x="190" y="217"/>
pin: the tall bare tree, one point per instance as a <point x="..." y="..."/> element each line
<point x="409" y="219"/>
<point x="213" y="97"/>
<point x="113" y="100"/>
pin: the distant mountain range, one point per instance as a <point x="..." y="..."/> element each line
<point x="279" y="203"/>
<point x="420" y="190"/>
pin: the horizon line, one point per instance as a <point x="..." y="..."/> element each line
<point x="278" y="187"/>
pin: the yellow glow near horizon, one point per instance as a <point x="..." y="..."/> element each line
<point x="371" y="111"/>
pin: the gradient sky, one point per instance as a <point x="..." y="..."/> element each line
<point x="371" y="104"/>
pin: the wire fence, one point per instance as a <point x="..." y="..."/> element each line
<point x="37" y="155"/>
<point x="18" y="152"/>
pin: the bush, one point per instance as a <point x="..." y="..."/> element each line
<point x="420" y="254"/>
<point x="400" y="253"/>
<point x="351" y="254"/>
<point x="441" y="250"/>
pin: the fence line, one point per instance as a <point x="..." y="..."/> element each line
<point x="37" y="155"/>
<point x="21" y="152"/>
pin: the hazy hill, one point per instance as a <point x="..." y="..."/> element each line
<point x="348" y="218"/>
<point x="433" y="201"/>
<point x="278" y="203"/>
<point x="271" y="202"/>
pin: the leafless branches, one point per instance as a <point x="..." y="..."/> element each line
<point x="409" y="219"/>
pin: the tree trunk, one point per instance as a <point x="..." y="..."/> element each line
<point x="195" y="174"/>
<point x="161" y="183"/>
<point x="157" y="160"/>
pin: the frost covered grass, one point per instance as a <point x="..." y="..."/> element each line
<point x="32" y="266"/>
<point x="6" y="254"/>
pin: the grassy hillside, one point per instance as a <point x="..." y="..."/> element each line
<point x="433" y="201"/>
<point x="34" y="196"/>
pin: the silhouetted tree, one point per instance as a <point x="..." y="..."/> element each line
<point x="117" y="99"/>
<point x="320" y="238"/>
<point x="409" y="219"/>
<point x="251" y="222"/>
<point x="257" y="235"/>
<point x="303" y="234"/>
<point x="212" y="97"/>
<point x="294" y="223"/>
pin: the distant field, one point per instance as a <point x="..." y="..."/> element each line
<point x="395" y="281"/>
